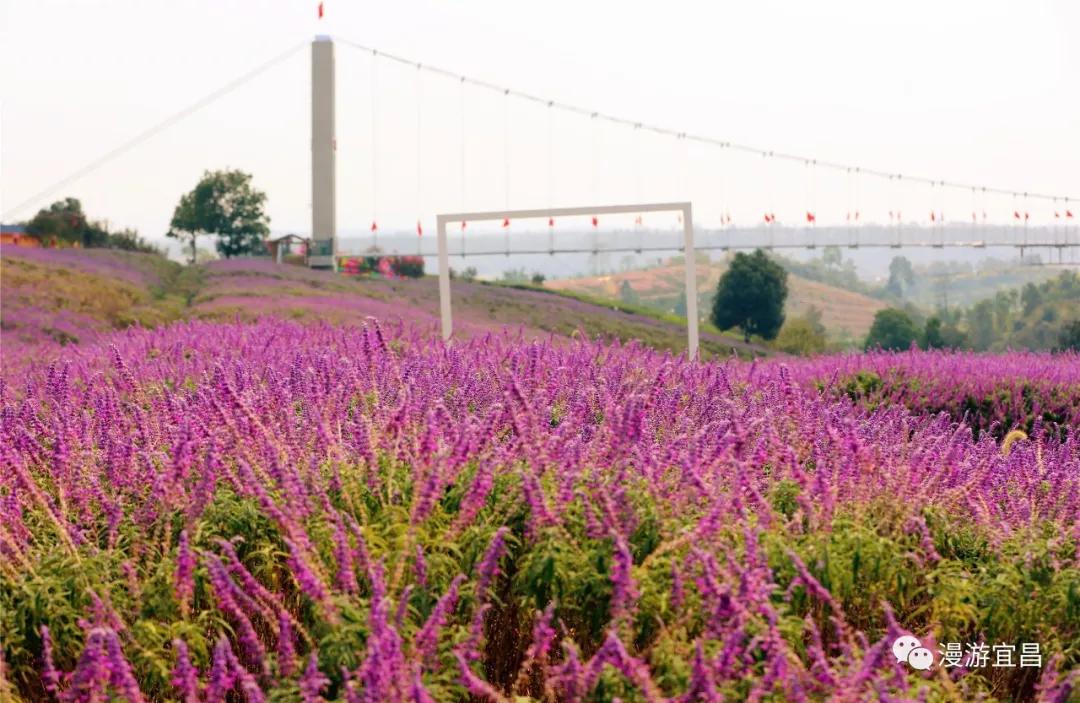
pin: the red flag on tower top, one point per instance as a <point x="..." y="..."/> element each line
<point x="810" y="217"/>
<point x="320" y="10"/>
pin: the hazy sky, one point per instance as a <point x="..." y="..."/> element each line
<point x="978" y="91"/>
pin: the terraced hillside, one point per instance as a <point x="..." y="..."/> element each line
<point x="56" y="298"/>
<point x="841" y="310"/>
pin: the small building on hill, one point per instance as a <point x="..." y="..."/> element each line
<point x="287" y="246"/>
<point x="16" y="235"/>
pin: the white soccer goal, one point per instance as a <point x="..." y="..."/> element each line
<point x="688" y="251"/>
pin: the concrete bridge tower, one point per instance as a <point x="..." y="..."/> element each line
<point x="323" y="156"/>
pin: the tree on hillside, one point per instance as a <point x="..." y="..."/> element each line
<point x="901" y="276"/>
<point x="800" y="336"/>
<point x="224" y="204"/>
<point x="1030" y="298"/>
<point x="892" y="329"/>
<point x="751" y="295"/>
<point x="832" y="257"/>
<point x="65" y="222"/>
<point x="1069" y="337"/>
<point x="981" y="324"/>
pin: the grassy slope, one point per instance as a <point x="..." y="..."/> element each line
<point x="840" y="309"/>
<point x="113" y="290"/>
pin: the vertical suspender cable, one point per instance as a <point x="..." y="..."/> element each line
<point x="374" y="150"/>
<point x="461" y="159"/>
<point x="419" y="145"/>
<point x="506" y="160"/>
<point x="550" y="184"/>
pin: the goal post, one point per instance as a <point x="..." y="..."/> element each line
<point x="688" y="250"/>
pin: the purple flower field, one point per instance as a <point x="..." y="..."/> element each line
<point x="276" y="511"/>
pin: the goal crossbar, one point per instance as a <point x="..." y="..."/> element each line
<point x="688" y="249"/>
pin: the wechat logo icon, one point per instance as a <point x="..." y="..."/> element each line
<point x="909" y="650"/>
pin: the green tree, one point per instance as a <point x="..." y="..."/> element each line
<point x="901" y="276"/>
<point x="751" y="295"/>
<point x="800" y="336"/>
<point x="892" y="329"/>
<point x="1030" y="298"/>
<point x="1069" y="337"/>
<point x="981" y="324"/>
<point x="931" y="336"/>
<point x="64" y="221"/>
<point x="832" y="257"/>
<point x="627" y="294"/>
<point x="224" y="204"/>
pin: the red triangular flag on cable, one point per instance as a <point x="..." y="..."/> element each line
<point x="1068" y="213"/>
<point x="856" y="215"/>
<point x="419" y="229"/>
<point x="974" y="217"/>
<point x="1026" y="216"/>
<point x="506" y="222"/>
<point x="463" y="225"/>
<point x="637" y="220"/>
<point x="595" y="221"/>
<point x="810" y="217"/>
<point x="1057" y="215"/>
<point x="551" y="222"/>
<point x="1016" y="215"/>
<point x="767" y="217"/>
<point x="374" y="226"/>
<point x="933" y="217"/>
<point x="320" y="10"/>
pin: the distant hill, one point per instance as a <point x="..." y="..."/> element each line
<point x="57" y="298"/>
<point x="844" y="313"/>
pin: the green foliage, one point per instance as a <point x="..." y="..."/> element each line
<point x="800" y="336"/>
<point x="892" y="329"/>
<point x="901" y="276"/>
<point x="1070" y="336"/>
<point x="64" y="222"/>
<point x="751" y="295"/>
<point x="937" y="334"/>
<point x="225" y="204"/>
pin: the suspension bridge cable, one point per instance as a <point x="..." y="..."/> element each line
<point x="703" y="139"/>
<point x="157" y="128"/>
